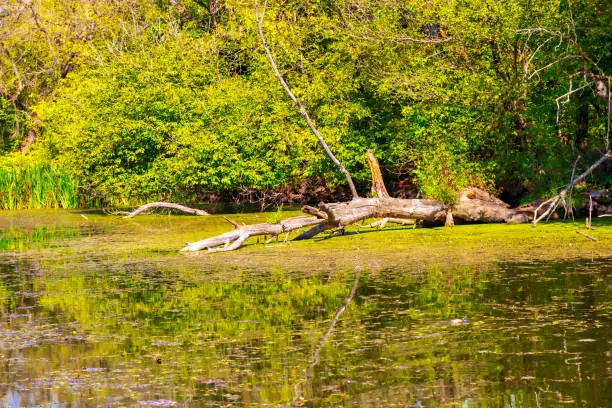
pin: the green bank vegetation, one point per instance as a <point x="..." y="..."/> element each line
<point x="137" y="101"/>
<point x="36" y="185"/>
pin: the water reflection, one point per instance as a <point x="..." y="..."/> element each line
<point x="308" y="372"/>
<point x="92" y="331"/>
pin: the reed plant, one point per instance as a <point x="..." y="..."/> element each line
<point x="36" y="185"/>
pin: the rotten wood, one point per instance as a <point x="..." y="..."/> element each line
<point x="378" y="185"/>
<point x="473" y="205"/>
<point x="162" y="204"/>
<point x="341" y="214"/>
<point x="478" y="205"/>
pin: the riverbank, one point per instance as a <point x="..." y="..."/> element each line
<point x="75" y="233"/>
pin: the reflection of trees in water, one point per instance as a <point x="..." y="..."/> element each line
<point x="315" y="355"/>
<point x="150" y="314"/>
<point x="33" y="398"/>
<point x="18" y="328"/>
<point x="16" y="286"/>
<point x="517" y="340"/>
<point x="232" y="337"/>
<point x="16" y="238"/>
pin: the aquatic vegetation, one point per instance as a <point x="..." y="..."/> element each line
<point x="36" y="186"/>
<point x="112" y="317"/>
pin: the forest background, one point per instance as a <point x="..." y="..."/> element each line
<point x="116" y="103"/>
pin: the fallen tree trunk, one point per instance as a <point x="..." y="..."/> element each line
<point x="234" y="239"/>
<point x="473" y="205"/>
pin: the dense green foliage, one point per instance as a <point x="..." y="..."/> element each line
<point x="176" y="100"/>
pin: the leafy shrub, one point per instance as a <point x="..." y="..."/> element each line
<point x="441" y="174"/>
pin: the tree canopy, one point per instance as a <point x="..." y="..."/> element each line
<point x="175" y="99"/>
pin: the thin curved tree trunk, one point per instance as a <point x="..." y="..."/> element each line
<point x="259" y="18"/>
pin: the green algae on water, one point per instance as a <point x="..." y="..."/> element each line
<point x="102" y="310"/>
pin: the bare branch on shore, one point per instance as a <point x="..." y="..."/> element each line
<point x="162" y="204"/>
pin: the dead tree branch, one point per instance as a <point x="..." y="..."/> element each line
<point x="173" y="206"/>
<point x="553" y="202"/>
<point x="242" y="232"/>
<point x="586" y="236"/>
<point x="378" y="185"/>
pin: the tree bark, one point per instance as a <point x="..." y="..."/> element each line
<point x="242" y="232"/>
<point x="378" y="185"/>
<point x="473" y="205"/>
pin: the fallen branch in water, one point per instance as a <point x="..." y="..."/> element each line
<point x="173" y="206"/>
<point x="473" y="205"/>
<point x="234" y="239"/>
<point x="553" y="202"/>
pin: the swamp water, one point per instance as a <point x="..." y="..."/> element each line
<point x="96" y="310"/>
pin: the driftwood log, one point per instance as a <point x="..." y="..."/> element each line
<point x="234" y="239"/>
<point x="163" y="204"/>
<point x="473" y="205"/>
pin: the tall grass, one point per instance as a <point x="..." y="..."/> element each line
<point x="36" y="186"/>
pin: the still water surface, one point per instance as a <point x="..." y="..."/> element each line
<point x="91" y="316"/>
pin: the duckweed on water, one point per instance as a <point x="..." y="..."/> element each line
<point x="100" y="310"/>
